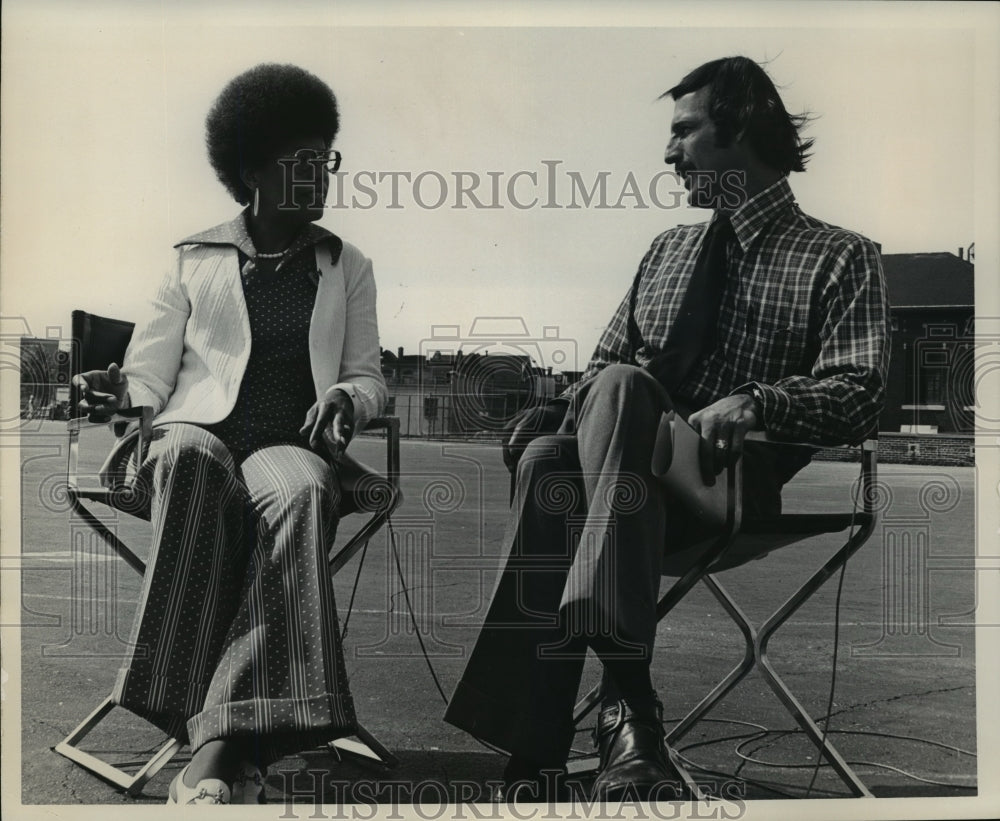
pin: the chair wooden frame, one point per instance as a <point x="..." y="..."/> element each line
<point x="740" y="542"/>
<point x="364" y="490"/>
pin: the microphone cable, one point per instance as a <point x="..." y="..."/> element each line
<point x="416" y="629"/>
<point x="836" y="629"/>
<point x="760" y="731"/>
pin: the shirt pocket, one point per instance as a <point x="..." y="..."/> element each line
<point x="780" y="345"/>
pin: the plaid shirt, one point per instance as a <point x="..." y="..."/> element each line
<point x="802" y="325"/>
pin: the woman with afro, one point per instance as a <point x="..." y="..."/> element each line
<point x="260" y="359"/>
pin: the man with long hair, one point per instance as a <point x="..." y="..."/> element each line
<point x="762" y="318"/>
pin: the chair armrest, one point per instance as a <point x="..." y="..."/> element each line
<point x="363" y="487"/>
<point x="134" y="429"/>
<point x="382" y="423"/>
<point x="390" y="424"/>
<point x="141" y="414"/>
<point x="763" y="436"/>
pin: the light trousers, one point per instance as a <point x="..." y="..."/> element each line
<point x="236" y="634"/>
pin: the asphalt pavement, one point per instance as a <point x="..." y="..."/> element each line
<point x="904" y="702"/>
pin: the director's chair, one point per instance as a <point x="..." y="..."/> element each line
<point x="735" y="542"/>
<point x="98" y="341"/>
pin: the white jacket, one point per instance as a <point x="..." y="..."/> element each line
<point x="188" y="358"/>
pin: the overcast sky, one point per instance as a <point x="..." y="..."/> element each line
<point x="104" y="166"/>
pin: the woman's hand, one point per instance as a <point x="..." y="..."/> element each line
<point x="104" y="393"/>
<point x="335" y="413"/>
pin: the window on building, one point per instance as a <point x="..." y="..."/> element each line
<point x="932" y="386"/>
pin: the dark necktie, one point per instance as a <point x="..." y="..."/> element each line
<point x="693" y="334"/>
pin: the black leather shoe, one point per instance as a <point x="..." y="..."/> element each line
<point x="548" y="787"/>
<point x="633" y="751"/>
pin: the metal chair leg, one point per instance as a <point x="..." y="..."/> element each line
<point x="734" y="677"/>
<point x="586" y="704"/>
<point x="777" y="685"/>
<point x="755" y="654"/>
<point x="696" y="792"/>
<point x="367" y="748"/>
<point x="131" y="783"/>
<point x="798" y="712"/>
<point x="814" y="582"/>
<point x="824" y="746"/>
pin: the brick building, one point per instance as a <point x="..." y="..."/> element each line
<point x="931" y="377"/>
<point x="444" y="393"/>
<point x="45" y="376"/>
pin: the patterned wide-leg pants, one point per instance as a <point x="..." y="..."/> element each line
<point x="236" y="633"/>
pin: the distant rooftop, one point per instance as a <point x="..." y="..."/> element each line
<point x="940" y="279"/>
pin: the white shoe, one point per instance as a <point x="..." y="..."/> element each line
<point x="248" y="787"/>
<point x="206" y="791"/>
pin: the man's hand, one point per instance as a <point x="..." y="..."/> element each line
<point x="534" y="422"/>
<point x="103" y="393"/>
<point x="337" y="413"/>
<point x="723" y="426"/>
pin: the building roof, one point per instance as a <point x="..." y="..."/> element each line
<point x="938" y="279"/>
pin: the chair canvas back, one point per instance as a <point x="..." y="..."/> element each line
<point x="97" y="342"/>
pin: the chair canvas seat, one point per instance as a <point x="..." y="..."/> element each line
<point x="759" y="538"/>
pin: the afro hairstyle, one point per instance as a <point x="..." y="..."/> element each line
<point x="261" y="110"/>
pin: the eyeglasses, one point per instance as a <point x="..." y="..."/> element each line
<point x="306" y="161"/>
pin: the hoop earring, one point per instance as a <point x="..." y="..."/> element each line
<point x="256" y="201"/>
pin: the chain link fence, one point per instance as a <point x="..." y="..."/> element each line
<point x="447" y="415"/>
